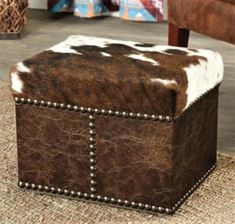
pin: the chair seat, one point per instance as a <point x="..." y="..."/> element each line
<point x="215" y="18"/>
<point x="118" y="75"/>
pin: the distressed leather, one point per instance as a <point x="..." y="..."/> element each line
<point x="194" y="143"/>
<point x="215" y="18"/>
<point x="53" y="147"/>
<point x="144" y="161"/>
<point x="134" y="160"/>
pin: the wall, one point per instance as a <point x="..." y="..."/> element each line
<point x="38" y="4"/>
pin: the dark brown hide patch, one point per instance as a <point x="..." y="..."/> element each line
<point x="118" y="82"/>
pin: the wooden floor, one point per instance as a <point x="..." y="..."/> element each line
<point x="45" y="29"/>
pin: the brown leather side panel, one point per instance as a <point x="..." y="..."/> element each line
<point x="53" y="147"/>
<point x="215" y="18"/>
<point x="134" y="160"/>
<point x="194" y="142"/>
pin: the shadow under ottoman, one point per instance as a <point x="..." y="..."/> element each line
<point x="128" y="158"/>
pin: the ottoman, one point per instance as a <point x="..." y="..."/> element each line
<point x="117" y="122"/>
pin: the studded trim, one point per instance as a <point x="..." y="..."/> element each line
<point x="116" y="201"/>
<point x="93" y="111"/>
<point x="92" y="146"/>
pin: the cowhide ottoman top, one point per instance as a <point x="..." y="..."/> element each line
<point x="118" y="75"/>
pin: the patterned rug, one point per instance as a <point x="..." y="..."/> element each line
<point x="213" y="201"/>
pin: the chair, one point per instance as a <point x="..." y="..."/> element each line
<point x="215" y="18"/>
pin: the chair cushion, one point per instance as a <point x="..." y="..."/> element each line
<point x="118" y="75"/>
<point x="215" y="18"/>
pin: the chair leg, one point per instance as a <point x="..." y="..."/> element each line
<point x="178" y="36"/>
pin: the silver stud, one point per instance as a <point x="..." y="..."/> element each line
<point x="140" y="206"/>
<point x="160" y="209"/>
<point x="92" y="147"/>
<point x="124" y="114"/>
<point x="21" y="184"/>
<point x="154" y="208"/>
<point x="17" y="100"/>
<point x="66" y="192"/>
<point x="59" y="191"/>
<point x="27" y="185"/>
<point x="75" y="108"/>
<point x="147" y="207"/>
<point x="87" y="196"/>
<point x="92" y="154"/>
<point x="40" y="188"/>
<point x="103" y="111"/>
<point x="92" y="168"/>
<point x="46" y="188"/>
<point x="133" y="204"/>
<point x="146" y="116"/>
<point x="160" y="117"/>
<point x="42" y="103"/>
<point x="110" y="112"/>
<point x="82" y="109"/>
<point x="113" y="200"/>
<point x="89" y="109"/>
<point x="91" y="125"/>
<point x="55" y="105"/>
<point x="106" y="199"/>
<point x="92" y="161"/>
<point x="120" y="202"/>
<point x="168" y="119"/>
<point x="35" y="102"/>
<point x="73" y="194"/>
<point x="93" y="182"/>
<point x="99" y="198"/>
<point x="173" y="208"/>
<point x="93" y="189"/>
<point x="69" y="107"/>
<point x="33" y="186"/>
<point x="168" y="211"/>
<point x="91" y="117"/>
<point x="29" y="101"/>
<point x="153" y="117"/>
<point x="22" y="100"/>
<point x="92" y="175"/>
<point x="96" y="111"/>
<point x="117" y="113"/>
<point x="92" y="132"/>
<point x="127" y="203"/>
<point x="138" y="115"/>
<point x="91" y="139"/>
<point x="62" y="106"/>
<point x="79" y="194"/>
<point x="53" y="190"/>
<point x="93" y="197"/>
<point x="132" y="115"/>
<point x="49" y="104"/>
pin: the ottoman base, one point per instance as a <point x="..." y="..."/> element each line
<point x="114" y="202"/>
<point x="145" y="162"/>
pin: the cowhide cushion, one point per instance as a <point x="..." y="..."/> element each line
<point x="118" y="75"/>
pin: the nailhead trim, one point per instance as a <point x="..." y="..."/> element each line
<point x="115" y="201"/>
<point x="92" y="143"/>
<point x="90" y="110"/>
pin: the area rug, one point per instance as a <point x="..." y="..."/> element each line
<point x="212" y="202"/>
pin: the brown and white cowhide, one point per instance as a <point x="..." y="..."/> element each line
<point x="118" y="75"/>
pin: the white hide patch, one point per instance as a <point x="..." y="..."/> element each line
<point x="106" y="54"/>
<point x="204" y="76"/>
<point x="16" y="83"/>
<point x="22" y="68"/>
<point x="141" y="57"/>
<point x="201" y="77"/>
<point x="165" y="82"/>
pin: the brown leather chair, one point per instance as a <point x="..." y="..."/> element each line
<point x="215" y="18"/>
